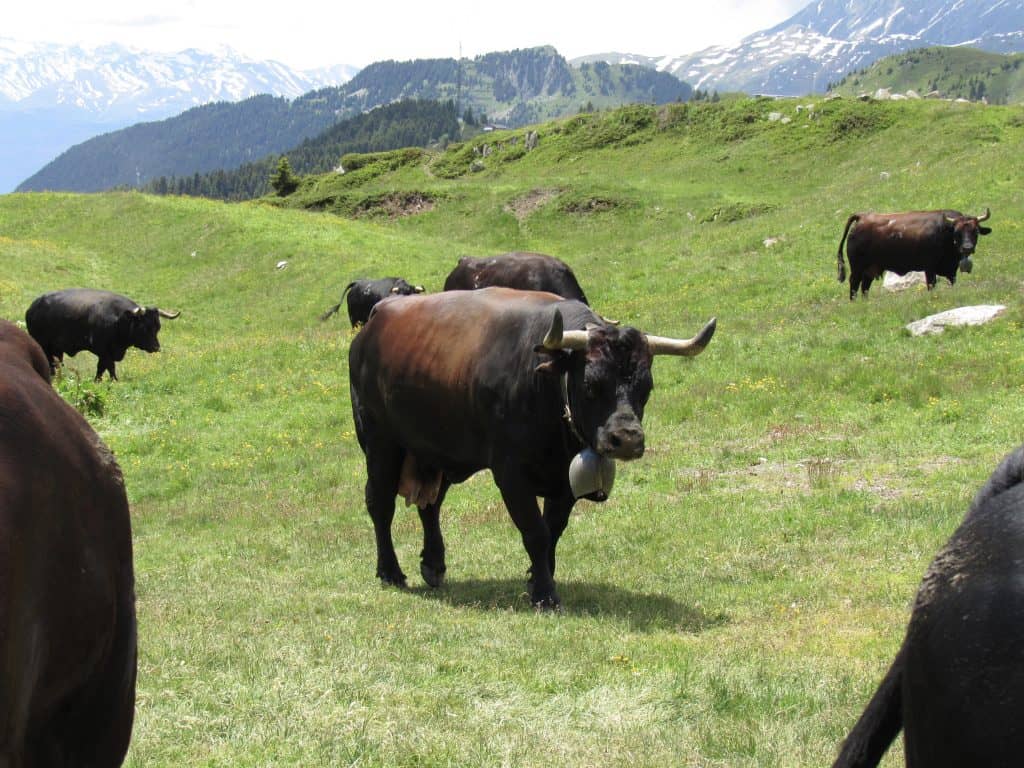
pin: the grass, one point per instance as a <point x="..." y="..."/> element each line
<point x="737" y="599"/>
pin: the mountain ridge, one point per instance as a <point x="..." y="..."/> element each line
<point x="827" y="39"/>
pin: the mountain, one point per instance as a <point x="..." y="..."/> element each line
<point x="53" y="97"/>
<point x="513" y="88"/>
<point x="830" y="38"/>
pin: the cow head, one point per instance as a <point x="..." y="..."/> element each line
<point x="402" y="288"/>
<point x="142" y="324"/>
<point x="966" y="230"/>
<point x="607" y="380"/>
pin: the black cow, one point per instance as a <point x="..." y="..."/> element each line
<point x="451" y="383"/>
<point x="933" y="242"/>
<point x="956" y="686"/>
<point x="364" y="294"/>
<point x="104" y="323"/>
<point x="525" y="271"/>
<point x="67" y="594"/>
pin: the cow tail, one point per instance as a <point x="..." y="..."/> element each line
<point x="337" y="306"/>
<point x="879" y="725"/>
<point x="839" y="256"/>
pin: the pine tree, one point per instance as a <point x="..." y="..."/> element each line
<point x="283" y="181"/>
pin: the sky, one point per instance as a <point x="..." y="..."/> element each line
<point x="318" y="33"/>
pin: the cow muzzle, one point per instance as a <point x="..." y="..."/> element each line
<point x="621" y="439"/>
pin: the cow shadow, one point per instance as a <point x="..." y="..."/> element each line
<point x="643" y="612"/>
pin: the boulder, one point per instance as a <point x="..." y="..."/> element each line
<point x="976" y="315"/>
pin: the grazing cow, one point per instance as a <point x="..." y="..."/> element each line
<point x="933" y="242"/>
<point x="67" y="594"/>
<point x="104" y="323"/>
<point x="364" y="294"/>
<point x="956" y="686"/>
<point x="525" y="271"/>
<point x="452" y="383"/>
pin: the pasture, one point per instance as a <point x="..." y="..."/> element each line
<point x="736" y="600"/>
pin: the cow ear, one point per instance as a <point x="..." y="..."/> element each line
<point x="984" y="230"/>
<point x="557" y="362"/>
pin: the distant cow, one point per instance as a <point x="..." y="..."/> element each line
<point x="956" y="686"/>
<point x="364" y="294"/>
<point x="521" y="270"/>
<point x="67" y="599"/>
<point x="933" y="242"/>
<point x="101" y="322"/>
<point x="518" y="382"/>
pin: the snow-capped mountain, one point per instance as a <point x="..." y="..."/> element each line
<point x="114" y="81"/>
<point x="830" y="38"/>
<point x="54" y="96"/>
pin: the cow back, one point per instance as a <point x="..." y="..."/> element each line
<point x="457" y="368"/>
<point x="521" y="270"/>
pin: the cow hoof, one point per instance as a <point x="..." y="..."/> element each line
<point x="549" y="604"/>
<point x="392" y="579"/>
<point x="434" y="577"/>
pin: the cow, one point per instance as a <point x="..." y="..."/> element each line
<point x="102" y="322"/>
<point x="364" y="294"/>
<point x="934" y="242"/>
<point x="525" y="271"/>
<point x="68" y="634"/>
<point x="518" y="382"/>
<point x="956" y="685"/>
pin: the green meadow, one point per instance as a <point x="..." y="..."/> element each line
<point x="736" y="600"/>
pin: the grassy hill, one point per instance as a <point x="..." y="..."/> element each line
<point x="737" y="599"/>
<point x="955" y="73"/>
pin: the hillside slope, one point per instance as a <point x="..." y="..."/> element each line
<point x="736" y="600"/>
<point x="517" y="87"/>
<point x="956" y="73"/>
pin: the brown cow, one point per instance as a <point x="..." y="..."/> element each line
<point x="518" y="382"/>
<point x="933" y="242"/>
<point x="67" y="595"/>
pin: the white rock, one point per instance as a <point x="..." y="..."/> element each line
<point x="896" y="283"/>
<point x="976" y="315"/>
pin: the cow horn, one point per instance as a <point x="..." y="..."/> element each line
<point x="168" y="315"/>
<point x="558" y="338"/>
<point x="417" y="289"/>
<point x="661" y="345"/>
<point x="138" y="311"/>
<point x="988" y="213"/>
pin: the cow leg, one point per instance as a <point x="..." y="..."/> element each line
<point x="105" y="364"/>
<point x="383" y="464"/>
<point x="556" y="517"/>
<point x="432" y="567"/>
<point x="930" y="279"/>
<point x="522" y="507"/>
<point x="854" y="282"/>
<point x="865" y="284"/>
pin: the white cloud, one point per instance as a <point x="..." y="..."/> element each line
<point x="320" y="33"/>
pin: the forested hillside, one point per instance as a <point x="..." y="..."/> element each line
<point x="414" y="123"/>
<point x="514" y="88"/>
